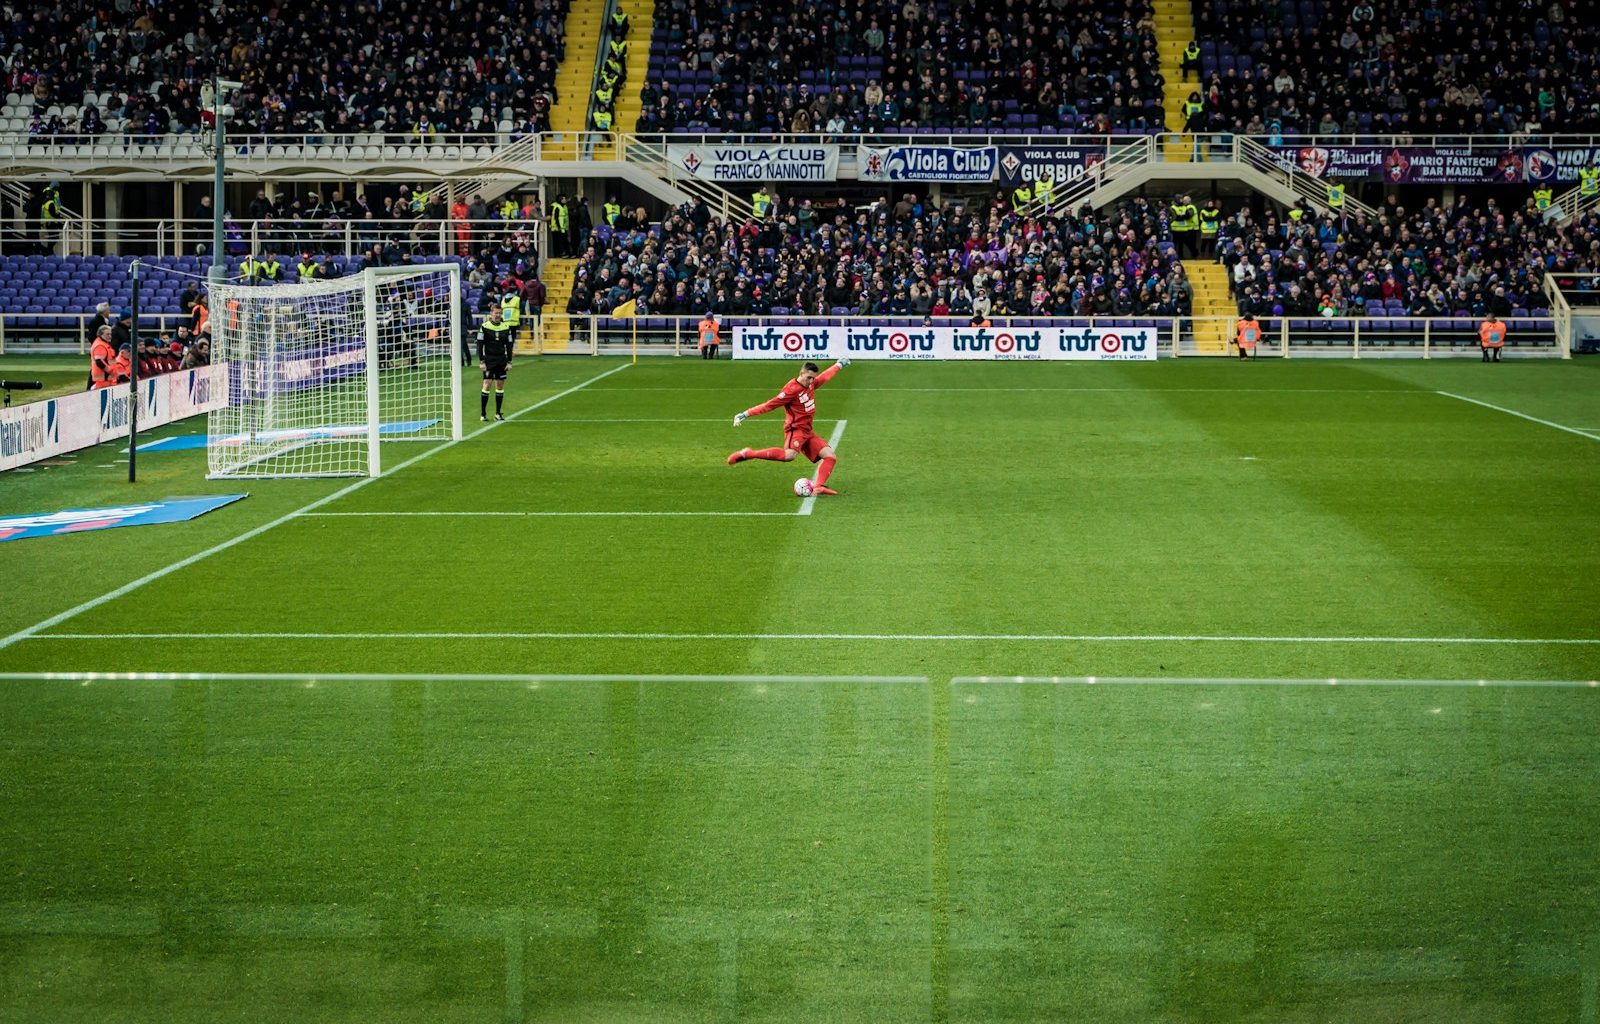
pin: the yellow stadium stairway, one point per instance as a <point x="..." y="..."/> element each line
<point x="558" y="279"/>
<point x="1213" y="309"/>
<point x="575" y="77"/>
<point x="1174" y="30"/>
<point x="641" y="25"/>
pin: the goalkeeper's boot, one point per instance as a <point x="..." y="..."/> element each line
<point x="822" y="489"/>
<point x="738" y="456"/>
<point x="483" y="419"/>
<point x="499" y="417"/>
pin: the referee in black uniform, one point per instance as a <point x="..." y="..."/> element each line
<point x="495" y="342"/>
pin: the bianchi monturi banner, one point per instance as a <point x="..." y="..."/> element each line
<point x="1069" y="342"/>
<point x="735" y="162"/>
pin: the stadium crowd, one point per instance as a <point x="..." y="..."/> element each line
<point x="1472" y="257"/>
<point x="1439" y="67"/>
<point x="868" y="65"/>
<point x="417" y="69"/>
<point x="909" y="258"/>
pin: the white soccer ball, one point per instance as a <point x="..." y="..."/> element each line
<point x="802" y="487"/>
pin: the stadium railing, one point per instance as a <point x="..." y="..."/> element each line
<point x="183" y="236"/>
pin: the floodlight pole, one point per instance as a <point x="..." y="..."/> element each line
<point x="217" y="273"/>
<point x="133" y="378"/>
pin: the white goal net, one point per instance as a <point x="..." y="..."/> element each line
<point x="321" y="373"/>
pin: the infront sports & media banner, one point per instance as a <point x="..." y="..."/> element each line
<point x="1056" y="163"/>
<point x="39" y="430"/>
<point x="926" y="163"/>
<point x="1439" y="165"/>
<point x="735" y="162"/>
<point x="83" y="520"/>
<point x="1074" y="342"/>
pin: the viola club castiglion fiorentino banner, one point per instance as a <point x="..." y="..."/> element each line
<point x="1072" y="342"/>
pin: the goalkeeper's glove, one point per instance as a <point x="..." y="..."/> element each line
<point x="843" y="363"/>
<point x="740" y="417"/>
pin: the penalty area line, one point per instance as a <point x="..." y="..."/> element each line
<point x="810" y="501"/>
<point x="347" y="515"/>
<point x="184" y="563"/>
<point x="436" y="677"/>
<point x="839" y="637"/>
<point x="1521" y="415"/>
<point x="1225" y="681"/>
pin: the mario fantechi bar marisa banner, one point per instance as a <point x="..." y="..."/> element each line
<point x="1068" y="342"/>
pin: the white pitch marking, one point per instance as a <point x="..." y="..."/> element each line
<point x="873" y="637"/>
<point x="1521" y="415"/>
<point x="345" y="515"/>
<point x="1220" y="391"/>
<point x="184" y="563"/>
<point x="533" y="679"/>
<point x="1586" y="684"/>
<point x="810" y="501"/>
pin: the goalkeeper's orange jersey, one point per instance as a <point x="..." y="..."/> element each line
<point x="799" y="402"/>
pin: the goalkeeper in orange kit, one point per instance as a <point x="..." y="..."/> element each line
<point x="799" y="401"/>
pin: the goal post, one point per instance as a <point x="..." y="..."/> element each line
<point x="321" y="375"/>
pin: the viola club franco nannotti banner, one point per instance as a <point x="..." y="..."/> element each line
<point x="1073" y="342"/>
<point x="1440" y="165"/>
<point x="738" y="162"/>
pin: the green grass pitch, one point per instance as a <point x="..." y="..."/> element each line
<point x="686" y="835"/>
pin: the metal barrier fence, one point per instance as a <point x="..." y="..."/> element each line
<point x="190" y="236"/>
<point x="554" y="333"/>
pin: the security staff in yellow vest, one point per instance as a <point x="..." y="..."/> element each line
<point x="603" y="95"/>
<point x="249" y="268"/>
<point x="611" y="211"/>
<point x="619" y="24"/>
<point x="1185" y="223"/>
<point x="618" y="48"/>
<point x="1021" y="196"/>
<point x="602" y="119"/>
<point x="511" y="307"/>
<point x="761" y="202"/>
<point x="269" y="270"/>
<point x="1542" y="198"/>
<point x="50" y="209"/>
<point x="1044" y="191"/>
<point x="559" y="221"/>
<point x="508" y="208"/>
<point x="1191" y="60"/>
<point x="1194" y="113"/>
<point x="1336" y="198"/>
<point x="1210" y="223"/>
<point x="306" y="269"/>
<point x="1589" y="181"/>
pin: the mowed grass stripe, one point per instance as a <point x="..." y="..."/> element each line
<point x="837" y="637"/>
<point x="199" y="556"/>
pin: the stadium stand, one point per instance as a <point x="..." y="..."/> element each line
<point x="966" y="66"/>
<point x="1438" y="67"/>
<point x="145" y="71"/>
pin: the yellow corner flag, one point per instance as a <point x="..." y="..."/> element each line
<point x="627" y="310"/>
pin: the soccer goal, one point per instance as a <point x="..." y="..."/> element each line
<point x="321" y="373"/>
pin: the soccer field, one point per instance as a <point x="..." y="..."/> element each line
<point x="801" y="777"/>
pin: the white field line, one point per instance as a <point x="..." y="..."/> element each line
<point x="432" y="677"/>
<point x="810" y="501"/>
<point x="1521" y="415"/>
<point x="1223" y="681"/>
<point x="184" y="563"/>
<point x="1220" y="391"/>
<point x="843" y="637"/>
<point x="345" y="515"/>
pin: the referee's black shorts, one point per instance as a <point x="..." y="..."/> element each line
<point x="495" y="371"/>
